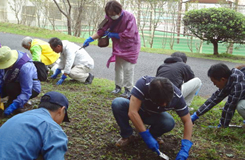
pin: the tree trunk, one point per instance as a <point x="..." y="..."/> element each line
<point x="69" y="25"/>
<point x="215" y="44"/>
<point x="138" y="13"/>
<point x="78" y="26"/>
<point x="179" y="20"/>
<point x="230" y="48"/>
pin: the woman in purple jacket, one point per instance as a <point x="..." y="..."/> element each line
<point x="122" y="29"/>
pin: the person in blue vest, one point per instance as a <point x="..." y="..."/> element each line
<point x="18" y="79"/>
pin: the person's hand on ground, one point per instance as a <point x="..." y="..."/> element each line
<point x="184" y="151"/>
<point x="61" y="80"/>
<point x="57" y="72"/>
<point x="150" y="141"/>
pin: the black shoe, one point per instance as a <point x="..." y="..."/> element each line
<point x="126" y="93"/>
<point x="116" y="90"/>
<point x="89" y="80"/>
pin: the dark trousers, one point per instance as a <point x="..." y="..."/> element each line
<point x="12" y="90"/>
<point x="159" y="123"/>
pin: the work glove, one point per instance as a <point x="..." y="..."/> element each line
<point x="61" y="80"/>
<point x="215" y="126"/>
<point x="87" y="41"/>
<point x="57" y="72"/>
<point x="194" y="117"/>
<point x="112" y="35"/>
<point x="150" y="141"/>
<point x="11" y="108"/>
<point x="184" y="151"/>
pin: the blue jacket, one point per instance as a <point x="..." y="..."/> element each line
<point x="27" y="78"/>
<point x="28" y="135"/>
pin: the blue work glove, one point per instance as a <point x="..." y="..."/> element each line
<point x="184" y="151"/>
<point x="112" y="35"/>
<point x="194" y="117"/>
<point x="61" y="80"/>
<point x="87" y="41"/>
<point x="11" y="108"/>
<point x="150" y="141"/>
<point x="215" y="126"/>
<point x="57" y="72"/>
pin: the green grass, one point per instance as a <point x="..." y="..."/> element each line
<point x="93" y="131"/>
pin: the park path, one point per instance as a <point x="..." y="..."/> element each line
<point x="147" y="62"/>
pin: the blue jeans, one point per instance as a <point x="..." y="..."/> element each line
<point x="160" y="123"/>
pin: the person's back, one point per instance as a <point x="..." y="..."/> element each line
<point x="23" y="136"/>
<point x="181" y="75"/>
<point x="48" y="56"/>
<point x="36" y="133"/>
<point x="73" y="55"/>
<point x="40" y="50"/>
<point x="175" y="70"/>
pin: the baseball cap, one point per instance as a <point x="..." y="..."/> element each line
<point x="59" y="99"/>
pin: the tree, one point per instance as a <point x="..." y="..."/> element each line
<point x="216" y="25"/>
<point x="16" y="6"/>
<point x="149" y="16"/>
<point x="66" y="12"/>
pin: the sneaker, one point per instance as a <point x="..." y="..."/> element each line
<point x="124" y="141"/>
<point x="90" y="78"/>
<point x="159" y="140"/>
<point x="126" y="94"/>
<point x="116" y="90"/>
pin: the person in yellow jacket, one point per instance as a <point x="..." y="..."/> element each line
<point x="41" y="51"/>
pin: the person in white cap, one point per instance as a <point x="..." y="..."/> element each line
<point x="37" y="134"/>
<point x="18" y="79"/>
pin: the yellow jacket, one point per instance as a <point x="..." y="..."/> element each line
<point x="48" y="56"/>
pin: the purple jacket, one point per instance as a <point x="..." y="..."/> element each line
<point x="128" y="46"/>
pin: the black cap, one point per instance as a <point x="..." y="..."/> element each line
<point x="59" y="99"/>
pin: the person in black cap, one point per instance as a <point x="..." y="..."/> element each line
<point x="36" y="133"/>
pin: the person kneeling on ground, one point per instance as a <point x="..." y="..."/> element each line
<point x="42" y="52"/>
<point x="74" y="60"/>
<point x="181" y="75"/>
<point x="231" y="83"/>
<point x="18" y="79"/>
<point x="37" y="133"/>
<point x="150" y="98"/>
